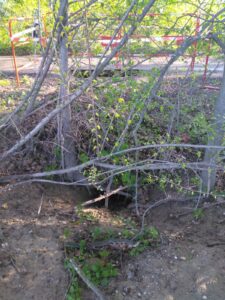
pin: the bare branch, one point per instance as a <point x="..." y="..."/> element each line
<point x="104" y="196"/>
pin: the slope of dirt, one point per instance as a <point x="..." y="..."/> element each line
<point x="189" y="263"/>
<point x="31" y="258"/>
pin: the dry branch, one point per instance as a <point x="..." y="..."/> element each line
<point x="121" y="188"/>
<point x="141" y="165"/>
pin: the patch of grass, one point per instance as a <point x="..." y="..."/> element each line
<point x="149" y="237"/>
<point x="100" y="272"/>
<point x="98" y="233"/>
<point x="5" y="82"/>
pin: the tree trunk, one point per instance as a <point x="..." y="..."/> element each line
<point x="67" y="145"/>
<point x="215" y="139"/>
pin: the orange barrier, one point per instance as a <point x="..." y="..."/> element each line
<point x="178" y="39"/>
<point x="22" y="38"/>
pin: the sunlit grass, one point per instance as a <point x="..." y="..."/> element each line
<point x="5" y="82"/>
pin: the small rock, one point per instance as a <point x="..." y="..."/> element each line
<point x="139" y="295"/>
<point x="183" y="258"/>
<point x="126" y="290"/>
<point x="5" y="245"/>
<point x="204" y="297"/>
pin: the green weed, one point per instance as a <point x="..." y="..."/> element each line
<point x="198" y="213"/>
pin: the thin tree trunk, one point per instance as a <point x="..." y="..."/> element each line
<point x="67" y="145"/>
<point x="215" y="139"/>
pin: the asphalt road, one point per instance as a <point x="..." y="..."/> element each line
<point x="30" y="64"/>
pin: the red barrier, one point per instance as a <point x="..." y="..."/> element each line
<point x="20" y="38"/>
<point x="107" y="41"/>
<point x="178" y="39"/>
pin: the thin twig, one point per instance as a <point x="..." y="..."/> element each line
<point x="121" y="188"/>
<point x="40" y="207"/>
<point x="157" y="204"/>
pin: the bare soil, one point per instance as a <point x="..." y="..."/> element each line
<point x="188" y="264"/>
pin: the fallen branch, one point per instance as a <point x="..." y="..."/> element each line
<point x="145" y="165"/>
<point x="91" y="286"/>
<point x="121" y="188"/>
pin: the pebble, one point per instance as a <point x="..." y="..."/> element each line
<point x="139" y="295"/>
<point x="204" y="297"/>
<point x="183" y="258"/>
<point x="130" y="275"/>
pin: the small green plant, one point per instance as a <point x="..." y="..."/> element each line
<point x="74" y="291"/>
<point x="66" y="233"/>
<point x="198" y="213"/>
<point x="100" y="272"/>
<point x="104" y="254"/>
<point x="127" y="233"/>
<point x="83" y="157"/>
<point x="148" y="237"/>
<point x="96" y="233"/>
<point x="82" y="245"/>
<point x="50" y="168"/>
<point x="152" y="232"/>
<point x="26" y="80"/>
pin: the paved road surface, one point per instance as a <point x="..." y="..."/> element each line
<point x="29" y="65"/>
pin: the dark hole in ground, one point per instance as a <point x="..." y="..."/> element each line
<point x="116" y="201"/>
